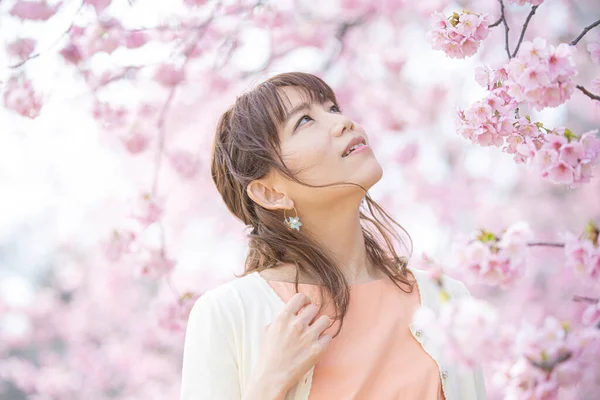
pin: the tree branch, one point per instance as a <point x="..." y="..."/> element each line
<point x="582" y="34"/>
<point x="506" y="28"/>
<point x="588" y="93"/>
<point x="591" y="300"/>
<point x="495" y="24"/>
<point x="533" y="10"/>
<point x="546" y="244"/>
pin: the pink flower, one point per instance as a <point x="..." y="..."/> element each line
<point x="147" y="209"/>
<point x="571" y="153"/>
<point x="494" y="260"/>
<point x="591" y="315"/>
<point x="169" y="75"/>
<point x="451" y="328"/>
<point x="71" y="53"/>
<point x="175" y="315"/>
<point x="185" y="163"/>
<point x="541" y="75"/>
<point x="110" y="116"/>
<point x="21" y="48"/>
<point x="195" y="3"/>
<point x="583" y="257"/>
<point x="156" y="264"/>
<point x="544" y="159"/>
<point x="34" y="10"/>
<point x="104" y="38"/>
<point x="560" y="172"/>
<point x="136" y="143"/>
<point x="119" y="244"/>
<point x="135" y="39"/>
<point x="20" y="97"/>
<point x="595" y="88"/>
<point x="407" y="154"/>
<point x="594" y="49"/>
<point x="591" y="144"/>
<point x="484" y="75"/>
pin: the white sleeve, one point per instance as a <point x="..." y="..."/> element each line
<point x="210" y="370"/>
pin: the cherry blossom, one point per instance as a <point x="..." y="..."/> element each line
<point x="583" y="254"/>
<point x="20" y="96"/>
<point x="156" y="264"/>
<point x="542" y="74"/>
<point x="22" y="48"/>
<point x="492" y="259"/>
<point x="459" y="35"/>
<point x="594" y="49"/>
<point x="185" y="163"/>
<point x="147" y="209"/>
<point x="451" y="327"/>
<point x="34" y="10"/>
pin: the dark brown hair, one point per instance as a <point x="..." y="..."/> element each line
<point x="245" y="148"/>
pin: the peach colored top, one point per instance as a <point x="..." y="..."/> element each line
<point x="375" y="355"/>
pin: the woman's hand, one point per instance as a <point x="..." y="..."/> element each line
<point x="292" y="344"/>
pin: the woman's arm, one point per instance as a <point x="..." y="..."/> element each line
<point x="210" y="369"/>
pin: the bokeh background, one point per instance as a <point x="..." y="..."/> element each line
<point x="110" y="225"/>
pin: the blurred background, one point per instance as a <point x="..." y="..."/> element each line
<point x="110" y="225"/>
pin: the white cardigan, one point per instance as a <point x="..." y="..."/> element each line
<point x="222" y="341"/>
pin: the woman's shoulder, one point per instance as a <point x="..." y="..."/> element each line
<point x="238" y="296"/>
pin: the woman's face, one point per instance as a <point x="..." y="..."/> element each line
<point x="313" y="140"/>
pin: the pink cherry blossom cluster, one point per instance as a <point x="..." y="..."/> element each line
<point x="20" y="96"/>
<point x="541" y="74"/>
<point x="492" y="259"/>
<point x="458" y="35"/>
<point x="451" y="330"/>
<point x="583" y="254"/>
<point x="523" y="2"/>
<point x="105" y="36"/>
<point x="548" y="357"/>
<point x="490" y="121"/>
<point x="558" y="155"/>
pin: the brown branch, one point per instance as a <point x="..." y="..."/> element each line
<point x="341" y="32"/>
<point x="582" y="34"/>
<point x="585" y="299"/>
<point x="546" y="244"/>
<point x="495" y="24"/>
<point x="533" y="10"/>
<point x="506" y="28"/>
<point x="588" y="93"/>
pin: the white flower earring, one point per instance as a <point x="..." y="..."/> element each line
<point x="292" y="222"/>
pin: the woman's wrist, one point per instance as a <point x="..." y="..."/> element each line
<point x="265" y="387"/>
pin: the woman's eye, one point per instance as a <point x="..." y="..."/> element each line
<point x="308" y="116"/>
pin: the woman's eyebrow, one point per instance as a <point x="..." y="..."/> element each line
<point x="300" y="107"/>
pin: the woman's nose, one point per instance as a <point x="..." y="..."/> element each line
<point x="342" y="124"/>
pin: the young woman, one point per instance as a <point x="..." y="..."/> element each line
<point x="323" y="309"/>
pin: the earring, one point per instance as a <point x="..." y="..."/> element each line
<point x="293" y="222"/>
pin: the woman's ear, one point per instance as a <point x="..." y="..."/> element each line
<point x="263" y="194"/>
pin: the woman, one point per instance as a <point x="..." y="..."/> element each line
<point x="324" y="307"/>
